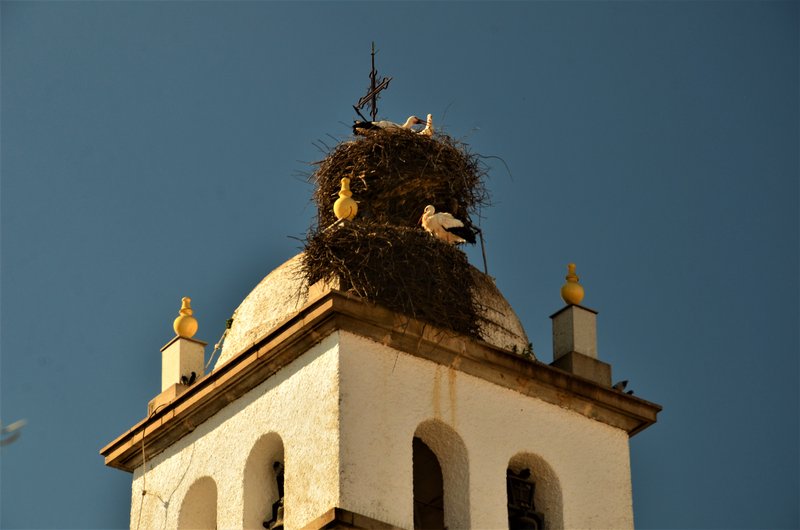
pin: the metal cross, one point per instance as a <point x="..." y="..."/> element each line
<point x="374" y="90"/>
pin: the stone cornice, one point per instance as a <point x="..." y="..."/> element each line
<point x="334" y="310"/>
<point x="339" y="518"/>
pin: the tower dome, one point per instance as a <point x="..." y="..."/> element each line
<point x="285" y="290"/>
<point x="385" y="250"/>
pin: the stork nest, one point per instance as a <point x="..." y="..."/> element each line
<point x="395" y="173"/>
<point x="402" y="268"/>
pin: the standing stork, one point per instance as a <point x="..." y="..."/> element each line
<point x="446" y="227"/>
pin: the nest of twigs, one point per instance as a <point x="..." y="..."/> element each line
<point x="402" y="268"/>
<point x="384" y="255"/>
<point x="395" y="173"/>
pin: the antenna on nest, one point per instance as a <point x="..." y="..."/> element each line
<point x="375" y="88"/>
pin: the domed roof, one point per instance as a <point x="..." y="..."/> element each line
<point x="284" y="291"/>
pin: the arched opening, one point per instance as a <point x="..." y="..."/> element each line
<point x="428" y="488"/>
<point x="263" y="484"/>
<point x="435" y="445"/>
<point x="199" y="506"/>
<point x="533" y="493"/>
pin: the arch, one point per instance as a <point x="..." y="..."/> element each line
<point x="428" y="487"/>
<point x="451" y="455"/>
<point x="547" y="496"/>
<point x="199" y="506"/>
<point x="260" y="480"/>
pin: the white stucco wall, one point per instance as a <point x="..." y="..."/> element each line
<point x="299" y="403"/>
<point x="386" y="395"/>
<point x="346" y="413"/>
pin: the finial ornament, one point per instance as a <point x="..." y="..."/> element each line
<point x="185" y="325"/>
<point x="345" y="208"/>
<point x="572" y="291"/>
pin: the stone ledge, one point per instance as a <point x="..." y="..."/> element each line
<point x="335" y="310"/>
<point x="337" y="518"/>
<point x="585" y="366"/>
<point x="165" y="397"/>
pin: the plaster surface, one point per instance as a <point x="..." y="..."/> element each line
<point x="388" y="396"/>
<point x="575" y="329"/>
<point x="499" y="325"/>
<point x="342" y="417"/>
<point x="180" y="357"/>
<point x="299" y="405"/>
<point x="281" y="294"/>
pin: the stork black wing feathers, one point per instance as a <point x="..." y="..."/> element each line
<point x="467" y="233"/>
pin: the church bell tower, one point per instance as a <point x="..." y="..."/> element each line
<point x="378" y="380"/>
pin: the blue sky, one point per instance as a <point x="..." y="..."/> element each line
<point x="157" y="150"/>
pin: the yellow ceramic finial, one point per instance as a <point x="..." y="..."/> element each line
<point x="185" y="325"/>
<point x="572" y="291"/>
<point x="345" y="208"/>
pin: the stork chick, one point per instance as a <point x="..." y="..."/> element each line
<point x="360" y="127"/>
<point x="428" y="130"/>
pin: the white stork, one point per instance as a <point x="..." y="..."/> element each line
<point x="446" y="227"/>
<point x="428" y="130"/>
<point x="360" y="127"/>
